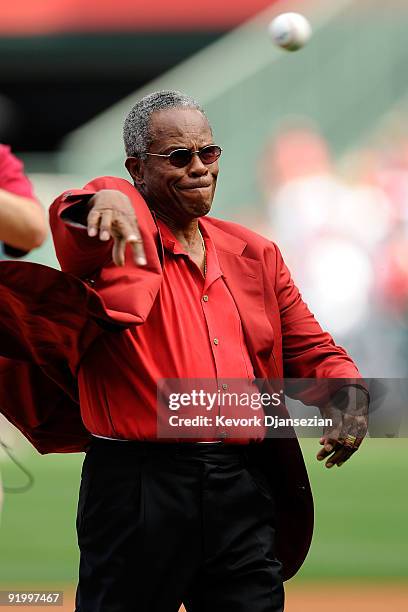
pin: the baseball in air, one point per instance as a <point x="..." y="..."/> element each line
<point x="290" y="31"/>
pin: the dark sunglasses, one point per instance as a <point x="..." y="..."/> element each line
<point x="182" y="157"/>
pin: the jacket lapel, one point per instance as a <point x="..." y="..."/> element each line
<point x="244" y="279"/>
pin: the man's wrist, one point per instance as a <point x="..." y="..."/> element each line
<point x="352" y="398"/>
<point x="358" y="386"/>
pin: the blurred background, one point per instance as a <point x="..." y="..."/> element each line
<point x="315" y="157"/>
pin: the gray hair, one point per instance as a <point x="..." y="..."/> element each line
<point x="136" y="134"/>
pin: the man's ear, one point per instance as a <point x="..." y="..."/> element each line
<point x="135" y="167"/>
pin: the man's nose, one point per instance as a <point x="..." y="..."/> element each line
<point x="196" y="166"/>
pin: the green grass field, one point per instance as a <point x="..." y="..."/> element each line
<point x="361" y="518"/>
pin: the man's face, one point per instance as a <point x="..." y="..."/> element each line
<point x="180" y="194"/>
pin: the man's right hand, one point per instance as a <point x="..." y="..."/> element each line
<point x="112" y="216"/>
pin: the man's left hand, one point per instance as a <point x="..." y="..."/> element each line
<point x="349" y="413"/>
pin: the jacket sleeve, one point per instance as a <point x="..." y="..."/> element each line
<point x="308" y="351"/>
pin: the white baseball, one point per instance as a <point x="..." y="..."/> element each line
<point x="291" y="31"/>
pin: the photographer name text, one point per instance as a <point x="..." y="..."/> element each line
<point x="254" y="421"/>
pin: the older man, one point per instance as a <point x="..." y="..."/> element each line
<point x="215" y="523"/>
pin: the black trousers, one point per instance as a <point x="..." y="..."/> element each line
<point x="164" y="524"/>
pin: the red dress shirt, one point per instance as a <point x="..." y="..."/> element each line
<point x="193" y="331"/>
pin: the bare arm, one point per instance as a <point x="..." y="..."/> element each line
<point x="22" y="221"/>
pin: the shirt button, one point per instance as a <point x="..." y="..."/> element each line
<point x="216" y="341"/>
<point x="224" y="386"/>
<point x="205" y="298"/>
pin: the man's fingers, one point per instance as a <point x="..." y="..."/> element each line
<point x="130" y="233"/>
<point x="341" y="442"/>
<point x="339" y="457"/>
<point x="118" y="251"/>
<point x="138" y="249"/>
<point x="329" y="443"/>
<point x="93" y="222"/>
<point x="123" y="228"/>
<point x="323" y="454"/>
<point x="100" y="221"/>
<point x="124" y="235"/>
<point x="105" y="225"/>
<point x="113" y="216"/>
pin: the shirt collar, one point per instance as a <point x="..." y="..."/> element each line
<point x="172" y="245"/>
<point x="170" y="242"/>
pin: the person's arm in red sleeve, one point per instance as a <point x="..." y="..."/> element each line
<point x="22" y="219"/>
<point x="92" y="226"/>
<point x="309" y="352"/>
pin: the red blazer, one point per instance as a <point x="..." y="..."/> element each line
<point x="49" y="319"/>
